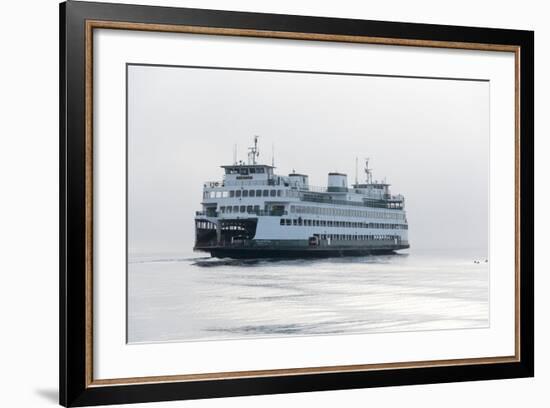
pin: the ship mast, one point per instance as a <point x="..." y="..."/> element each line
<point x="253" y="152"/>
<point x="368" y="171"/>
<point x="356" y="166"/>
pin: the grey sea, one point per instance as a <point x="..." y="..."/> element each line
<point x="191" y="297"/>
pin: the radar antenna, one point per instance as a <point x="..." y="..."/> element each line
<point x="253" y="152"/>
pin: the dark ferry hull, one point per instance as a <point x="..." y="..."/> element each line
<point x="299" y="251"/>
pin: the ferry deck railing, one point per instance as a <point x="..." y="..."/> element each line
<point x="214" y="214"/>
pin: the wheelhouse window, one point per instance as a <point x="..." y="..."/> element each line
<point x="238" y="193"/>
<point x="245" y="193"/>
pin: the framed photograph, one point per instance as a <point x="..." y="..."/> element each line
<point x="257" y="203"/>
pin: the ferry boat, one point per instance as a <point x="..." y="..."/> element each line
<point x="255" y="213"/>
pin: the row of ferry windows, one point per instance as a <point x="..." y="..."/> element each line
<point x="240" y="208"/>
<point x="243" y="171"/>
<point x="347" y="237"/>
<point x="316" y="210"/>
<point x="344" y="212"/>
<point x="339" y="224"/>
<point x="244" y="193"/>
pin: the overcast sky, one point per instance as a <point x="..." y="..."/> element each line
<point x="429" y="138"/>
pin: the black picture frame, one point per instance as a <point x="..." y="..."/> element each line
<point x="75" y="387"/>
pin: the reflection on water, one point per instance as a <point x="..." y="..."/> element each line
<point x="195" y="297"/>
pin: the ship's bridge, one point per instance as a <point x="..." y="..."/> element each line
<point x="237" y="174"/>
<point x="379" y="191"/>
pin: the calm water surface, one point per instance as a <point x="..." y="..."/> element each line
<point x="182" y="297"/>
